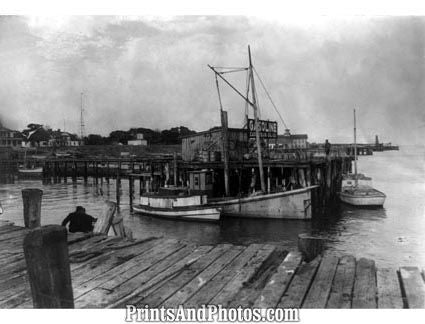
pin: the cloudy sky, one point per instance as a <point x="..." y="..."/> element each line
<point x="152" y="72"/>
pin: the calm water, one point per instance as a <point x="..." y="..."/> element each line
<point x="392" y="236"/>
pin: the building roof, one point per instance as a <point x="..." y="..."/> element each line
<point x="293" y="136"/>
<point x="215" y="130"/>
<point x="16" y="134"/>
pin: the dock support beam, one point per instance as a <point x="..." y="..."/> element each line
<point x="46" y="256"/>
<point x="32" y="207"/>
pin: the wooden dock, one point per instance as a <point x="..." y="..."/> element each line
<point x="111" y="272"/>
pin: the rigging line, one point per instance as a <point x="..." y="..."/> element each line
<point x="235" y="68"/>
<point x="270" y="98"/>
<point x="247" y="94"/>
<point x="232" y="71"/>
<point x="230" y="85"/>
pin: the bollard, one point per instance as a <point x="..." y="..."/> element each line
<point x="46" y="256"/>
<point x="310" y="246"/>
<point x="32" y="207"/>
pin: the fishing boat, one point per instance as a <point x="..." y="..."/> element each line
<point x="291" y="204"/>
<point x="357" y="189"/>
<point x="268" y="204"/>
<point x="180" y="206"/>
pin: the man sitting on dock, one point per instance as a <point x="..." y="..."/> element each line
<point x="79" y="221"/>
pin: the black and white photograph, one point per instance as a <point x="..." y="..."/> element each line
<point x="197" y="165"/>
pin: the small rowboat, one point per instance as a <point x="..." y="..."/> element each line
<point x="30" y="172"/>
<point x="362" y="196"/>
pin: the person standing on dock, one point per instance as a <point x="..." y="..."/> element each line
<point x="79" y="221"/>
<point x="327" y="148"/>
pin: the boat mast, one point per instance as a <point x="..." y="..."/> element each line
<point x="225" y="141"/>
<point x="355" y="151"/>
<point x="257" y="124"/>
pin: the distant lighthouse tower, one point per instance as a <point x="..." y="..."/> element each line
<point x="82" y="127"/>
<point x="376" y="140"/>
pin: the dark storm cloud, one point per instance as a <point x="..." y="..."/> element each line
<point x="151" y="72"/>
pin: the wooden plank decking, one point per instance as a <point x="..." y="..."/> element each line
<point x="110" y="272"/>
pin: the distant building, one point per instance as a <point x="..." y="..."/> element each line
<point x="63" y="139"/>
<point x="138" y="141"/>
<point x="292" y="141"/>
<point x="10" y="138"/>
<point x="208" y="146"/>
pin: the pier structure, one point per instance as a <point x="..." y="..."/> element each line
<point x="99" y="271"/>
<point x="151" y="173"/>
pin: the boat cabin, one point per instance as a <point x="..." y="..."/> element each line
<point x="349" y="180"/>
<point x="201" y="182"/>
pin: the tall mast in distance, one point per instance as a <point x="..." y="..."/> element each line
<point x="355" y="151"/>
<point x="257" y="124"/>
<point x="82" y="130"/>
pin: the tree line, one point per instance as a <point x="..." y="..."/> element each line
<point x="167" y="137"/>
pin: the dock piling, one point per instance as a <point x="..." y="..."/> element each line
<point x="32" y="207"/>
<point x="118" y="184"/>
<point x="86" y="171"/>
<point x="46" y="256"/>
<point x="131" y="191"/>
<point x="310" y="246"/>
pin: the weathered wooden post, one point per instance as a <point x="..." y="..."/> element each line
<point x="75" y="173"/>
<point x="96" y="170"/>
<point x="107" y="172"/>
<point x="65" y="171"/>
<point x="131" y="190"/>
<point x="167" y="174"/>
<point x="308" y="176"/>
<point x="268" y="179"/>
<point x="328" y="180"/>
<point x="301" y="177"/>
<point x="310" y="246"/>
<point x="175" y="171"/>
<point x="46" y="256"/>
<point x="46" y="170"/>
<point x="32" y="207"/>
<point x="118" y="184"/>
<point x="55" y="171"/>
<point x="86" y="171"/>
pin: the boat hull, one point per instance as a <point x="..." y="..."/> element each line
<point x="294" y="204"/>
<point x="36" y="172"/>
<point x="376" y="199"/>
<point x="192" y="213"/>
